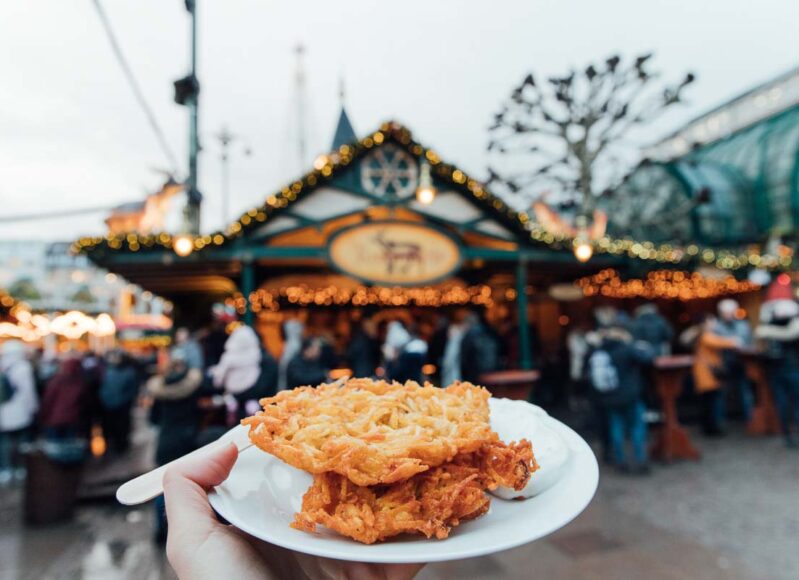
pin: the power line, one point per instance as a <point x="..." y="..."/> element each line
<point x="53" y="214"/>
<point x="134" y="85"/>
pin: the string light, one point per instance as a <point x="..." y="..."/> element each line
<point x="71" y="325"/>
<point x="183" y="245"/>
<point x="663" y="284"/>
<point x="425" y="193"/>
<point x="326" y="167"/>
<point x="139" y="342"/>
<point x="583" y="250"/>
<point x="274" y="299"/>
<point x="7" y="302"/>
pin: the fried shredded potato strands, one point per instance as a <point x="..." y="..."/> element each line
<point x="390" y="458"/>
<point x="430" y="503"/>
<point x="372" y="432"/>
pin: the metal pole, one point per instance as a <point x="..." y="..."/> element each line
<point x="300" y="106"/>
<point x="525" y="358"/>
<point x="247" y="287"/>
<point x="194" y="196"/>
<point x="225" y="188"/>
<point x="225" y="139"/>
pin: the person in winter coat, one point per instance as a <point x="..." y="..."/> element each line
<point x="363" y="352"/>
<point x="192" y="351"/>
<point x="176" y="415"/>
<point x="213" y="343"/>
<point x="616" y="376"/>
<point x="240" y="365"/>
<point x="118" y="392"/>
<point x="403" y="353"/>
<point x="479" y="349"/>
<point x="66" y="403"/>
<point x="709" y="372"/>
<point x="779" y="330"/>
<point x="248" y="402"/>
<point x="451" y="363"/>
<point x="292" y="345"/>
<point x="308" y="367"/>
<point x="734" y="374"/>
<point x="92" y="366"/>
<point x="650" y="327"/>
<point x="18" y="405"/>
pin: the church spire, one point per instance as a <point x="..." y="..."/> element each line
<point x="344" y="134"/>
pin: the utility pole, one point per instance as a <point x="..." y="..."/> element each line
<point x="225" y="138"/>
<point x="300" y="105"/>
<point x="187" y="92"/>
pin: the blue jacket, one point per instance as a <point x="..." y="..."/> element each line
<point x="119" y="387"/>
<point x="628" y="358"/>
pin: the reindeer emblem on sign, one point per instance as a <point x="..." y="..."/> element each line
<point x="399" y="254"/>
<point x="394" y="252"/>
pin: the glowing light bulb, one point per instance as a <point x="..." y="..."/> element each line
<point x="321" y="161"/>
<point x="425" y="195"/>
<point x="583" y="251"/>
<point x="183" y="245"/>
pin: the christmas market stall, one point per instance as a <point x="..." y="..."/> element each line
<point x="380" y="223"/>
<point x="384" y="224"/>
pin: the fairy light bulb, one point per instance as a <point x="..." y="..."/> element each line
<point x="583" y="251"/>
<point x="183" y="245"/>
<point x="425" y="193"/>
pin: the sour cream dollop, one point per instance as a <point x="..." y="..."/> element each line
<point x="515" y="420"/>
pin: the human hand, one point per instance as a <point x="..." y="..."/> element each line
<point x="200" y="547"/>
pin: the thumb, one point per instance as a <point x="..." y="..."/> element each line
<point x="185" y="484"/>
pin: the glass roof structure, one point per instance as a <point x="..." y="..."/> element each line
<point x="735" y="190"/>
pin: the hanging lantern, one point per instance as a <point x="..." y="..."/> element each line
<point x="583" y="250"/>
<point x="425" y="193"/>
<point x="183" y="245"/>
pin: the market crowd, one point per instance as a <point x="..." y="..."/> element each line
<point x="613" y="362"/>
<point x="211" y="378"/>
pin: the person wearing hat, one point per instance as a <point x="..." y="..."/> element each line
<point x="709" y="372"/>
<point x="614" y="369"/>
<point x="175" y="414"/>
<point x="779" y="330"/>
<point x="729" y="325"/>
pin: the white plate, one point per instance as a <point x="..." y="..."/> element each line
<point x="262" y="494"/>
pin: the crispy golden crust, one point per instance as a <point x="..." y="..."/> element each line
<point x="372" y="432"/>
<point x="429" y="503"/>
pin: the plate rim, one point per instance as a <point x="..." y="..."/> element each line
<point x="218" y="502"/>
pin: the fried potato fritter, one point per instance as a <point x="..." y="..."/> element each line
<point x="430" y="503"/>
<point x="372" y="432"/>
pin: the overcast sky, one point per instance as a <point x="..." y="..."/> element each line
<point x="72" y="135"/>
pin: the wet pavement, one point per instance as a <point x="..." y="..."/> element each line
<point x="734" y="515"/>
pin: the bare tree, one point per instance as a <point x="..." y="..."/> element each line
<point x="563" y="135"/>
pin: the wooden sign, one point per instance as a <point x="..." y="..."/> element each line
<point x="393" y="253"/>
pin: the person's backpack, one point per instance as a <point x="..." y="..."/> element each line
<point x="602" y="372"/>
<point x="7" y="390"/>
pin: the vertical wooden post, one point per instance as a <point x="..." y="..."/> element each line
<point x="247" y="287"/>
<point x="525" y="358"/>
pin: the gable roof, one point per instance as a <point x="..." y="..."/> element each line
<point x="327" y="168"/>
<point x="527" y="231"/>
<point x="344" y="132"/>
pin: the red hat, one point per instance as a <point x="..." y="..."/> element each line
<point x="780" y="289"/>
